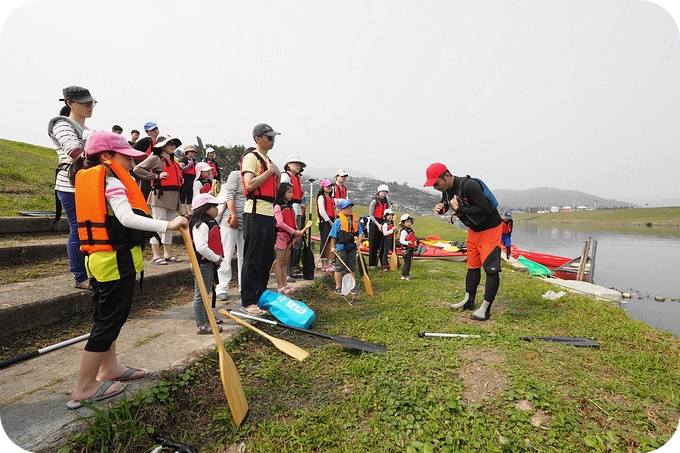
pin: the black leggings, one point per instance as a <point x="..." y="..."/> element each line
<point x="112" y="302"/>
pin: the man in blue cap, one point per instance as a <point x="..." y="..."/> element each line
<point x="145" y="145"/>
<point x="345" y="235"/>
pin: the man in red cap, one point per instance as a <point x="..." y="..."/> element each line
<point x="465" y="196"/>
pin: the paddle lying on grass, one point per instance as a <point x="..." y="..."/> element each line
<point x="578" y="342"/>
<point x="284" y="346"/>
<point x="367" y="281"/>
<point x="30" y="355"/>
<point x="347" y="342"/>
<point x="231" y="381"/>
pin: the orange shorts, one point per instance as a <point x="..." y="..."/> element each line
<point x="480" y="244"/>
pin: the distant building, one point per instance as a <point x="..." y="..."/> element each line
<point x="554" y="209"/>
<point x="566" y="208"/>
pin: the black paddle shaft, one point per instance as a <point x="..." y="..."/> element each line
<point x="347" y="342"/>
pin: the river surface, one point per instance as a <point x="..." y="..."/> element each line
<point x="642" y="261"/>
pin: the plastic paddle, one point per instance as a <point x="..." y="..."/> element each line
<point x="394" y="262"/>
<point x="36" y="353"/>
<point x="231" y="381"/>
<point x="284" y="346"/>
<point x="367" y="281"/>
<point x="347" y="342"/>
<point x="578" y="342"/>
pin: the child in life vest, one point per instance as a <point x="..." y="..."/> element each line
<point x="203" y="182"/>
<point x="113" y="220"/>
<point x="286" y="232"/>
<point x="407" y="239"/>
<point x="205" y="233"/>
<point x="345" y="236"/>
<point x="325" y="209"/>
<point x="389" y="229"/>
<point x="507" y="233"/>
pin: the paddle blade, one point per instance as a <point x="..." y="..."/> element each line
<point x="359" y="345"/>
<point x="367" y="281"/>
<point x="231" y="381"/>
<point x="394" y="261"/>
<point x="571" y="341"/>
<point x="284" y="346"/>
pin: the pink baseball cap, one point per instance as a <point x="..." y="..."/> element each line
<point x="326" y="183"/>
<point x="108" y="141"/>
<point x="203" y="166"/>
<point x="203" y="199"/>
<point x="433" y="173"/>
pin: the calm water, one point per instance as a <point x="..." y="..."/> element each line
<point x="638" y="260"/>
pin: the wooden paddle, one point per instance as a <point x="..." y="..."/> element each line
<point x="284" y="346"/>
<point x="394" y="261"/>
<point x="367" y="281"/>
<point x="231" y="381"/>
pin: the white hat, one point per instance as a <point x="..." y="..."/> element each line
<point x="388" y="211"/>
<point x="382" y="187"/>
<point x="164" y="139"/>
<point x="209" y="150"/>
<point x="405" y="217"/>
<point x="295" y="158"/>
<point x="203" y="199"/>
<point x="341" y="173"/>
<point x="203" y="166"/>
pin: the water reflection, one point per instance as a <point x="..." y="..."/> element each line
<point x="638" y="260"/>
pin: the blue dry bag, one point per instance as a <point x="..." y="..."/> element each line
<point x="288" y="311"/>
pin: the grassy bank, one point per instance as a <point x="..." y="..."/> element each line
<point x="26" y="178"/>
<point x="622" y="217"/>
<point x="495" y="393"/>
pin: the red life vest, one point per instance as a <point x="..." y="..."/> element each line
<point x="207" y="185"/>
<point x="214" y="237"/>
<point x="339" y="191"/>
<point x="329" y="207"/>
<point x="297" y="188"/>
<point x="411" y="236"/>
<point x="174" y="179"/>
<point x="507" y="226"/>
<point x="192" y="170"/>
<point x="213" y="166"/>
<point x="98" y="230"/>
<point x="380" y="206"/>
<point x="267" y="191"/>
<point x="288" y="214"/>
<point x="389" y="224"/>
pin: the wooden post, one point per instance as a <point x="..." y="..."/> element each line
<point x="592" y="262"/>
<point x="584" y="258"/>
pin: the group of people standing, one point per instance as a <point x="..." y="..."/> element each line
<point x="118" y="196"/>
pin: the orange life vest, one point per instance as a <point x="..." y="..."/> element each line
<point x="267" y="191"/>
<point x="349" y="229"/>
<point x="98" y="230"/>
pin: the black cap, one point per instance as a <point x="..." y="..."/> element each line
<point x="264" y="129"/>
<point x="77" y="94"/>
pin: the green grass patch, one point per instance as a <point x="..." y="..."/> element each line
<point x="495" y="393"/>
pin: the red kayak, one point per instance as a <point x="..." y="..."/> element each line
<point x="549" y="261"/>
<point x="569" y="270"/>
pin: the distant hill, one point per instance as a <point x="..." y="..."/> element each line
<point x="545" y="197"/>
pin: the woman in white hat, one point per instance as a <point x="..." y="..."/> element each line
<point x="376" y="211"/>
<point x="292" y="174"/>
<point x="165" y="174"/>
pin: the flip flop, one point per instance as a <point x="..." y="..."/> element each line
<point x="172" y="259"/>
<point x="160" y="261"/>
<point x="99" y="395"/>
<point x="128" y="375"/>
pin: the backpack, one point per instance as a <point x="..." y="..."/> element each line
<point x="487" y="192"/>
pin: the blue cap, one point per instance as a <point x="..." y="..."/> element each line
<point x="345" y="203"/>
<point x="507" y="214"/>
<point x="150" y="126"/>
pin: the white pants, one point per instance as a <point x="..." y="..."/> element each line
<point x="159" y="213"/>
<point x="231" y="237"/>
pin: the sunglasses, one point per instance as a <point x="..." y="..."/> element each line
<point x="88" y="104"/>
<point x="271" y="139"/>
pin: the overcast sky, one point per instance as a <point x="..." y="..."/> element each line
<point x="570" y="94"/>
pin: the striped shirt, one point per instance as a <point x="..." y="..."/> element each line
<point x="67" y="140"/>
